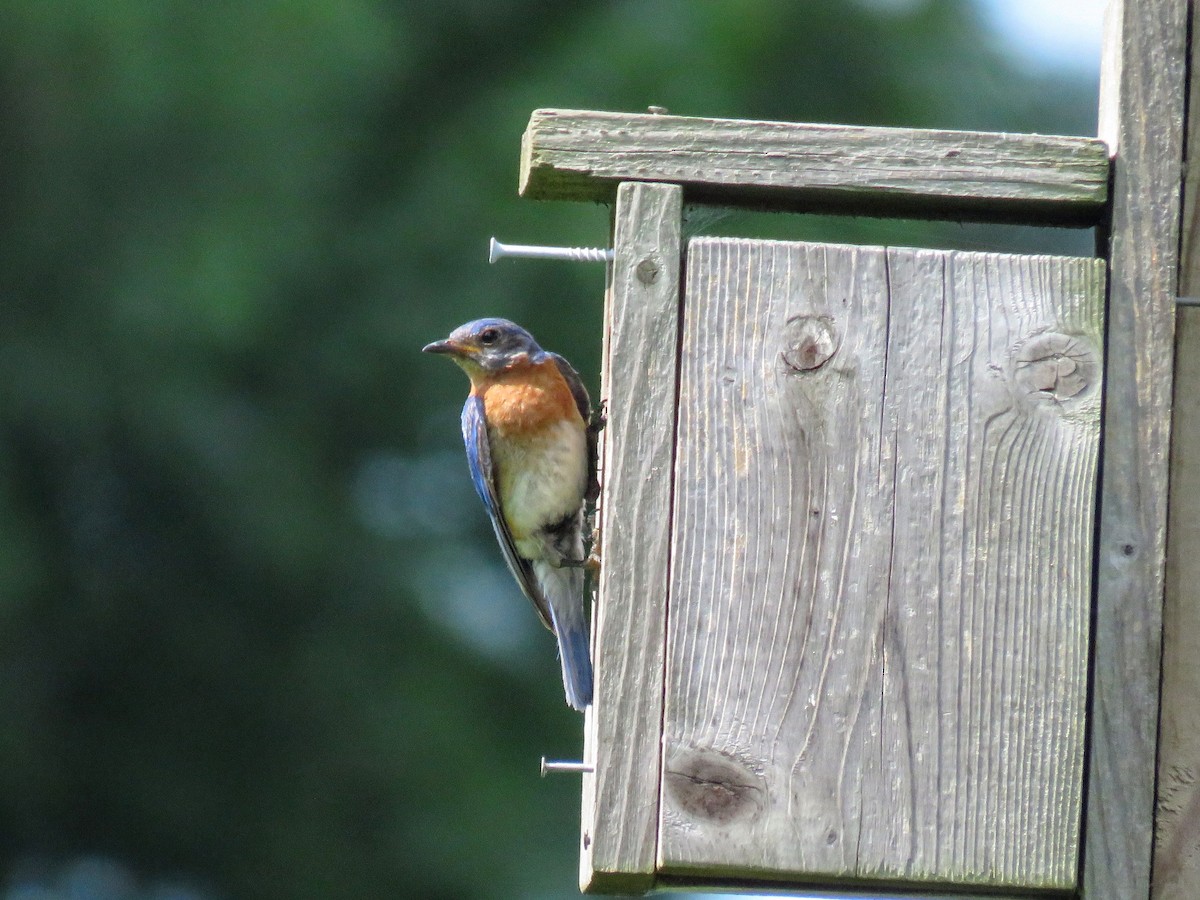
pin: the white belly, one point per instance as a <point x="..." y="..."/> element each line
<point x="541" y="479"/>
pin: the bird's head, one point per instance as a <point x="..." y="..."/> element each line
<point x="488" y="346"/>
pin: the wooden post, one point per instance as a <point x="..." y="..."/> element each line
<point x="1141" y="118"/>
<point x="1176" y="874"/>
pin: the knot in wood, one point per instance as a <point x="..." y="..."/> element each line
<point x="810" y="341"/>
<point x="648" y="270"/>
<point x="710" y="786"/>
<point x="1055" y="366"/>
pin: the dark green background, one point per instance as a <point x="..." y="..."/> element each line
<point x="255" y="638"/>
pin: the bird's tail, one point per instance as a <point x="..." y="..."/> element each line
<point x="563" y="590"/>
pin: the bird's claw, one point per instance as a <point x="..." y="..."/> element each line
<point x="591" y="562"/>
<point x="598" y="418"/>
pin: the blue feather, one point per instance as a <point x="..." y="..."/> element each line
<point x="563" y="589"/>
<point x="473" y="429"/>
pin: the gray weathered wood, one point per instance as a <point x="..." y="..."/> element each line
<point x="1141" y="115"/>
<point x="668" y="884"/>
<point x="578" y="155"/>
<point x="622" y="731"/>
<point x="993" y="383"/>
<point x="881" y="566"/>
<point x="771" y="687"/>
<point x="1176" y="873"/>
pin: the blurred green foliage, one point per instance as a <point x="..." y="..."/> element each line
<point x="254" y="633"/>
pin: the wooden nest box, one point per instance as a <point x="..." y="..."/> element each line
<point x="868" y="618"/>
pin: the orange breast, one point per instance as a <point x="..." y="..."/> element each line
<point x="526" y="399"/>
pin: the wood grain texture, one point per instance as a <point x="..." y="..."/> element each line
<point x="1176" y="872"/>
<point x="579" y="155"/>
<point x="623" y="726"/>
<point x="880" y="582"/>
<point x="668" y="884"/>
<point x="993" y="385"/>
<point x="1141" y="115"/>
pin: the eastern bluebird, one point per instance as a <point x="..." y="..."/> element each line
<point x="531" y="447"/>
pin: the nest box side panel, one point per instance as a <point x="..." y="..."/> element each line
<point x="622" y="727"/>
<point x="881" y="574"/>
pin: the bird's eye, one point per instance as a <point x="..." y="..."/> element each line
<point x="489" y="336"/>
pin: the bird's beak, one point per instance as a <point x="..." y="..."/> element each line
<point x="447" y="347"/>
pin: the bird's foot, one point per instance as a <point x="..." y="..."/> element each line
<point x="599" y="418"/>
<point x="592" y="563"/>
<point x="566" y="562"/>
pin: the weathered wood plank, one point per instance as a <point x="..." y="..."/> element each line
<point x="580" y="155"/>
<point x="872" y="891"/>
<point x="1176" y="873"/>
<point x="993" y="387"/>
<point x="776" y="598"/>
<point x="856" y="693"/>
<point x="622" y="731"/>
<point x="1141" y="115"/>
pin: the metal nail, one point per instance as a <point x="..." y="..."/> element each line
<point x="563" y="765"/>
<point x="497" y="250"/>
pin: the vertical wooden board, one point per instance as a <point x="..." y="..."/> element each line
<point x="779" y="573"/>
<point x="1176" y="874"/>
<point x="993" y="391"/>
<point x="1141" y="117"/>
<point x="1177" y="827"/>
<point x="901" y="832"/>
<point x="622" y="727"/>
<point x="851" y="697"/>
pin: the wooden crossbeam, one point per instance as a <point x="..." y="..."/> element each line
<point x="979" y="176"/>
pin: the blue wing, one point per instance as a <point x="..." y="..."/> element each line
<point x="479" y="459"/>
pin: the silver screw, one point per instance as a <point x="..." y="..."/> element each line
<point x="497" y="250"/>
<point x="562" y="765"/>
